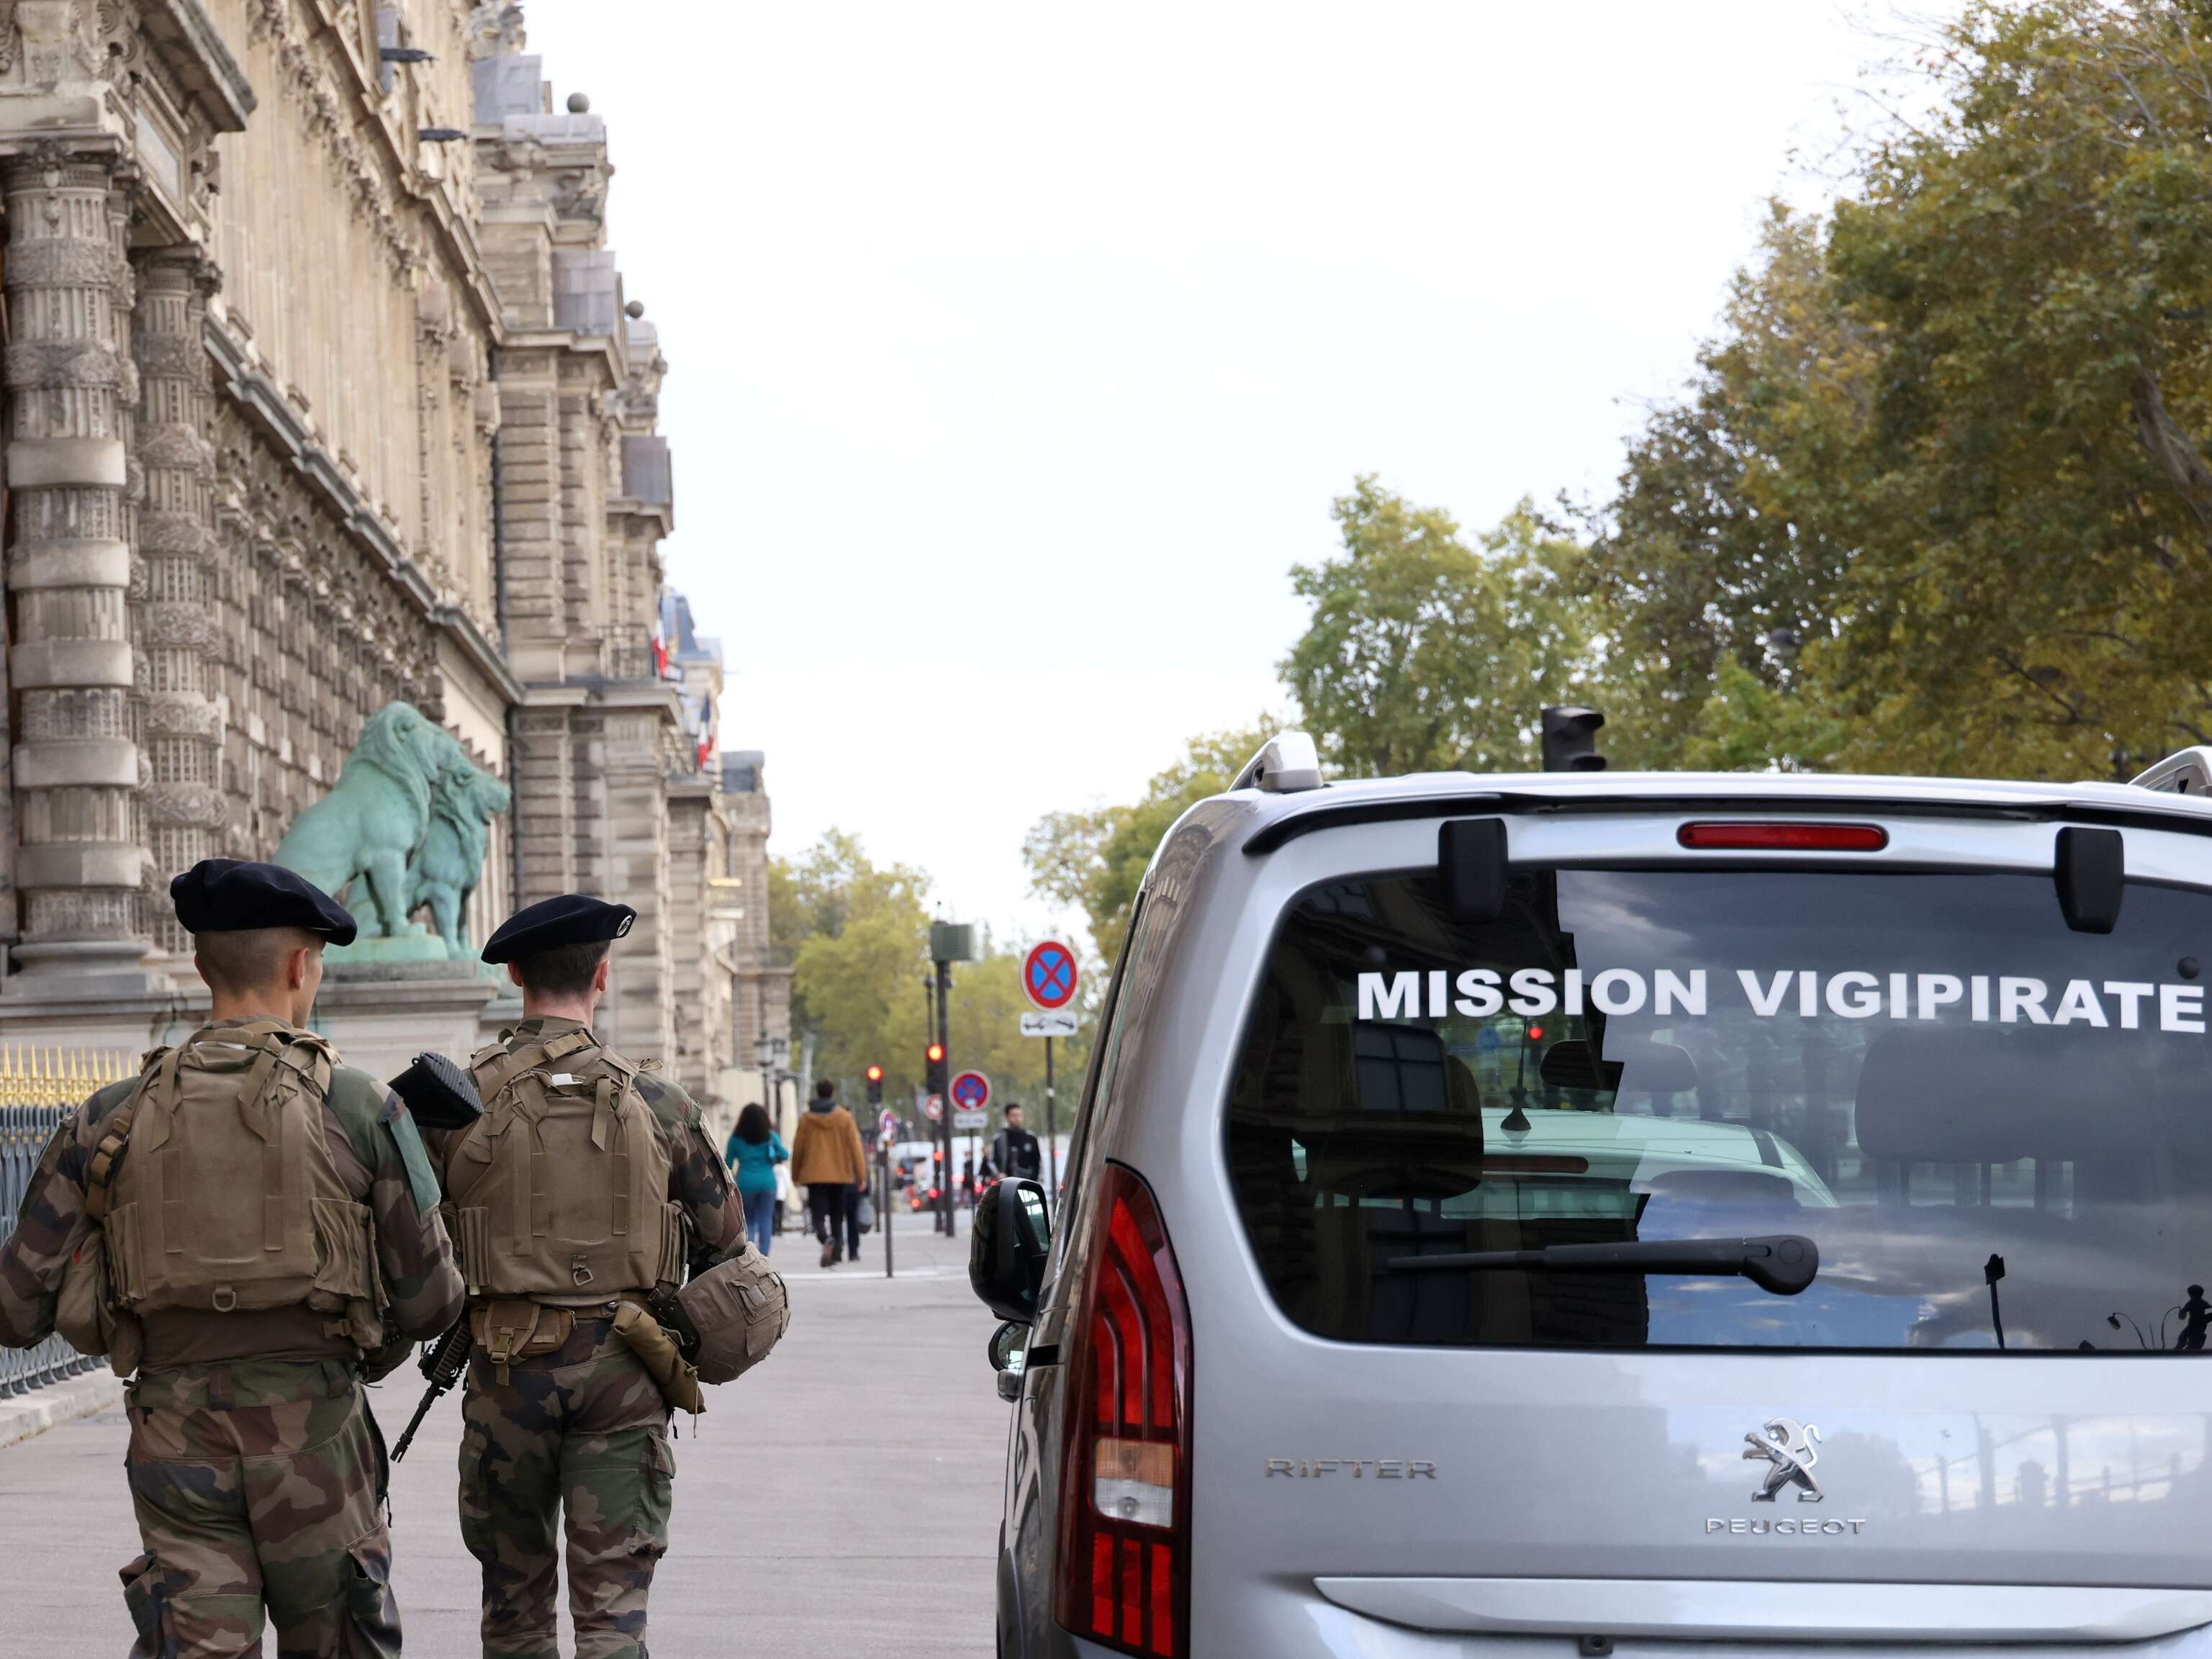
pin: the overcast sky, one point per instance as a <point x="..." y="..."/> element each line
<point x="1019" y="350"/>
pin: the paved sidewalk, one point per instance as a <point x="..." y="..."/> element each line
<point x="842" y="1498"/>
<point x="85" y="1395"/>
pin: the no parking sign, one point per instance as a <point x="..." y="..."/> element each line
<point x="971" y="1092"/>
<point x="1049" y="975"/>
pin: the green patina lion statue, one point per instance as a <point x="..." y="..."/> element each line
<point x="372" y="823"/>
<point x="446" y="866"/>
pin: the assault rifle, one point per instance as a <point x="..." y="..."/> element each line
<point x="439" y="1094"/>
<point x="443" y="1362"/>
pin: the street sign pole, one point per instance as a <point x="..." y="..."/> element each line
<point x="945" y="1221"/>
<point x="1050" y="973"/>
<point x="884" y="1209"/>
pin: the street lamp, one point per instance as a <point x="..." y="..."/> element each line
<point x="764" y="1057"/>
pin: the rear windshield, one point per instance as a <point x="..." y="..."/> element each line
<point x="1928" y="1075"/>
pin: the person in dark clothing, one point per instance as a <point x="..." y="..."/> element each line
<point x="1014" y="1150"/>
<point x="854" y="1195"/>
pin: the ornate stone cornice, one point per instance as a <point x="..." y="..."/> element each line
<point x="285" y="427"/>
<point x="193" y="52"/>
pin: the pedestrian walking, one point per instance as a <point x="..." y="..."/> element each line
<point x="246" y="1298"/>
<point x="581" y="1344"/>
<point x="1014" y="1150"/>
<point x="827" y="1159"/>
<point x="754" y="1151"/>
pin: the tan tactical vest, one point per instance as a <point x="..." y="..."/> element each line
<point x="225" y="1197"/>
<point x="560" y="1190"/>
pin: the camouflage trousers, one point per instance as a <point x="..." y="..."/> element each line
<point x="258" y="1488"/>
<point x="582" y="1432"/>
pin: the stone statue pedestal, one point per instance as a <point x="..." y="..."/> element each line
<point x="375" y="954"/>
<point x="73" y="1016"/>
<point x="382" y="1014"/>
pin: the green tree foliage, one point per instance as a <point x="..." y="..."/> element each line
<point x="1936" y="498"/>
<point x="1951" y="442"/>
<point x="2037" y="259"/>
<point x="857" y="936"/>
<point x="1093" y="861"/>
<point x="1720" y="556"/>
<point x="1423" y="654"/>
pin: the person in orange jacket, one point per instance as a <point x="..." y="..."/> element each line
<point x="827" y="1159"/>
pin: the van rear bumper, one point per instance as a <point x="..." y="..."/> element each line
<point x="1337" y="1633"/>
<point x="1766" y="1610"/>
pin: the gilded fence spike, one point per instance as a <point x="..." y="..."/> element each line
<point x="49" y="1075"/>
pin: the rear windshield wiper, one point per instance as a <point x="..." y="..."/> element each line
<point x="1783" y="1263"/>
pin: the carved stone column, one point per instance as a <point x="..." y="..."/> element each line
<point x="71" y="387"/>
<point x="185" y="805"/>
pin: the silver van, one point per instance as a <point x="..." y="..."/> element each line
<point x="1612" y="1210"/>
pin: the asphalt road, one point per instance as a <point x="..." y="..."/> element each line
<point x="843" y="1498"/>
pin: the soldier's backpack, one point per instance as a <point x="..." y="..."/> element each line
<point x="560" y="1190"/>
<point x="222" y="1195"/>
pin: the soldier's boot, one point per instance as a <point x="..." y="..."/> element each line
<point x="617" y="1491"/>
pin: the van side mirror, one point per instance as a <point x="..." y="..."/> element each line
<point x="1007" y="1250"/>
<point x="1010" y="1347"/>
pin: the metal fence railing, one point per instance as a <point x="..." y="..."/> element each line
<point x="39" y="1087"/>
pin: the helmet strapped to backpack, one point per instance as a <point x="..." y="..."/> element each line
<point x="739" y="1310"/>
<point x="233" y="1115"/>
<point x="561" y="1188"/>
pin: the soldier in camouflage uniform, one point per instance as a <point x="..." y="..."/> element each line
<point x="255" y="1469"/>
<point x="560" y="1412"/>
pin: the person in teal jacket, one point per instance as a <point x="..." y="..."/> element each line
<point x="754" y="1151"/>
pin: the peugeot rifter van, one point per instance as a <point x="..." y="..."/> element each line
<point x="1571" y="1214"/>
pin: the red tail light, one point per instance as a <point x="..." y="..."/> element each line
<point x="1785" y="837"/>
<point x="1124" y="1576"/>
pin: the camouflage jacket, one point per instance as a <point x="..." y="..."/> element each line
<point x="697" y="1178"/>
<point x="378" y="1158"/>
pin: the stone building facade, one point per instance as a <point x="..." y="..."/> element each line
<point x="322" y="389"/>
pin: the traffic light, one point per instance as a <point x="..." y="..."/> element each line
<point x="1569" y="740"/>
<point x="935" y="1082"/>
<point x="875" y="1085"/>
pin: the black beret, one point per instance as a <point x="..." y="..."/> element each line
<point x="226" y="895"/>
<point x="571" y="919"/>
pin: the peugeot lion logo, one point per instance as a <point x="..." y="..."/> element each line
<point x="1788" y="1448"/>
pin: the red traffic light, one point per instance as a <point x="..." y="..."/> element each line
<point x="936" y="1052"/>
<point x="875" y="1074"/>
